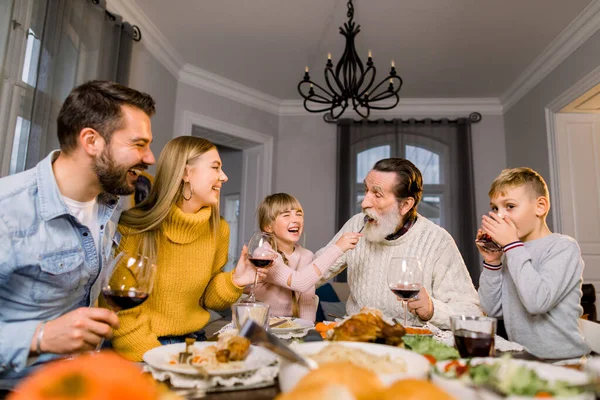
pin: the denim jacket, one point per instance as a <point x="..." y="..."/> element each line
<point x="49" y="264"/>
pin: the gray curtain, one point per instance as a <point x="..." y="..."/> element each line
<point x="440" y="147"/>
<point x="80" y="41"/>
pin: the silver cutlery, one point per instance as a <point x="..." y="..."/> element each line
<point x="260" y="337"/>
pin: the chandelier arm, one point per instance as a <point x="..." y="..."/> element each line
<point x="368" y="87"/>
<point x="309" y="82"/>
<point x="328" y="72"/>
<point x="342" y="109"/>
<point x="374" y="107"/>
<point x="378" y="96"/>
<point x="365" y="116"/>
<point x="307" y="108"/>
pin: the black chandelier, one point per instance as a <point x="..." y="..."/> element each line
<point x="350" y="84"/>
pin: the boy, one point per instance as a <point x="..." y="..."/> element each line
<point x="536" y="289"/>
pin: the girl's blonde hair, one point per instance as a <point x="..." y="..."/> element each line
<point x="167" y="190"/>
<point x="273" y="205"/>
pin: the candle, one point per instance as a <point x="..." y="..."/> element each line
<point x="329" y="56"/>
<point x="369" y="53"/>
<point x="393" y="64"/>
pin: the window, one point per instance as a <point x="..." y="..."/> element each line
<point x="441" y="149"/>
<point x="427" y="154"/>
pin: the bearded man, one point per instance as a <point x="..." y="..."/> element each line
<point x="393" y="228"/>
<point x="58" y="225"/>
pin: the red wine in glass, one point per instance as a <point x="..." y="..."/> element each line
<point x="261" y="262"/>
<point x="404" y="279"/>
<point x="262" y="251"/>
<point x="474" y="344"/>
<point x="120" y="300"/>
<point x="406" y="292"/>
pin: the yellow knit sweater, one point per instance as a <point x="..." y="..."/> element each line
<point x="188" y="281"/>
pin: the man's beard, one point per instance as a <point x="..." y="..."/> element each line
<point x="386" y="225"/>
<point x="112" y="177"/>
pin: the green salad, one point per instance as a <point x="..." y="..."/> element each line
<point x="508" y="377"/>
<point x="428" y="345"/>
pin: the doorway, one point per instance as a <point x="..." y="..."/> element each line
<point x="573" y="123"/>
<point x="247" y="160"/>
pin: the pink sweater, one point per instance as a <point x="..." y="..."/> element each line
<point x="303" y="272"/>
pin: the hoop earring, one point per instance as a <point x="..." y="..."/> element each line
<point x="183" y="191"/>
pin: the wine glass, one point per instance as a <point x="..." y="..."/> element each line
<point x="262" y="251"/>
<point x="128" y="281"/>
<point x="404" y="279"/>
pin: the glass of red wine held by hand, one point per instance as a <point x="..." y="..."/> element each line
<point x="128" y="281"/>
<point x="262" y="251"/>
<point x="404" y="279"/>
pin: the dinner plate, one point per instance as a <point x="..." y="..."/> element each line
<point x="417" y="366"/>
<point x="301" y="325"/>
<point x="461" y="390"/>
<point x="160" y="358"/>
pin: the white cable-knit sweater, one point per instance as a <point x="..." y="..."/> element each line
<point x="445" y="276"/>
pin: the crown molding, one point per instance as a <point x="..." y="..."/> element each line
<point x="152" y="38"/>
<point x="579" y="30"/>
<point x="227" y="88"/>
<point x="416" y="107"/>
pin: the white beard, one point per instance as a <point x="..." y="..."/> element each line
<point x="383" y="226"/>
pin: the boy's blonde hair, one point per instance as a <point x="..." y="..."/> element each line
<point x="273" y="205"/>
<point x="515" y="177"/>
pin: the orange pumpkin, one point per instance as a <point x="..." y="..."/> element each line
<point x="92" y="376"/>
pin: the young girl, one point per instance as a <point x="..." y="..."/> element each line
<point x="289" y="288"/>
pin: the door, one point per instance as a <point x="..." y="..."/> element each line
<point x="577" y="139"/>
<point x="254" y="189"/>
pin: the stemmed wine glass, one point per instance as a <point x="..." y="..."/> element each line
<point x="404" y="279"/>
<point x="128" y="281"/>
<point x="262" y="251"/>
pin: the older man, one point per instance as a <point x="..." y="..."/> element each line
<point x="58" y="223"/>
<point x="393" y="189"/>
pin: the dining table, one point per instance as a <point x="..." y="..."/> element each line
<point x="270" y="392"/>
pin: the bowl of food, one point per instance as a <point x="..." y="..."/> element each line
<point x="498" y="378"/>
<point x="387" y="362"/>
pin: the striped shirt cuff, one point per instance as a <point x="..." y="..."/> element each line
<point x="492" y="267"/>
<point x="512" y="245"/>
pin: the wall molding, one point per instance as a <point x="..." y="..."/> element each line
<point x="416" y="107"/>
<point x="229" y="89"/>
<point x="152" y="37"/>
<point x="574" y="35"/>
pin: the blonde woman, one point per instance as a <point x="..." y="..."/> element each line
<point x="179" y="226"/>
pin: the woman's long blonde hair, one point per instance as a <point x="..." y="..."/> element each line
<point x="167" y="190"/>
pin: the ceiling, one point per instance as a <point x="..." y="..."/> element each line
<point x="442" y="49"/>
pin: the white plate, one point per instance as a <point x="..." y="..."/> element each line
<point x="417" y="365"/>
<point x="460" y="390"/>
<point x="302" y="324"/>
<point x="159" y="358"/>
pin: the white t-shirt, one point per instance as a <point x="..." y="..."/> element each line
<point x="87" y="214"/>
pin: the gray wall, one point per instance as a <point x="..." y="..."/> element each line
<point x="232" y="166"/>
<point x="305" y="167"/>
<point x="525" y="122"/>
<point x="201" y="102"/>
<point x="149" y="75"/>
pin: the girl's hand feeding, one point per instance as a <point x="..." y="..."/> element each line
<point x="348" y="241"/>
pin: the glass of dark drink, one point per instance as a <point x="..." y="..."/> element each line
<point x="262" y="251"/>
<point x="474" y="336"/>
<point x="404" y="279"/>
<point x="486" y="242"/>
<point x="128" y="281"/>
